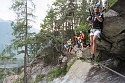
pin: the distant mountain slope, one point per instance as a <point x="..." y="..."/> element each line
<point x="5" y="33"/>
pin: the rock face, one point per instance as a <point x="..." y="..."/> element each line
<point x="119" y="7"/>
<point x="10" y="79"/>
<point x="77" y="73"/>
<point x="113" y="37"/>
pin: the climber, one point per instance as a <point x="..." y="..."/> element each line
<point x="69" y="42"/>
<point x="68" y="45"/>
<point x="82" y="38"/>
<point x="96" y="28"/>
<point x="75" y="40"/>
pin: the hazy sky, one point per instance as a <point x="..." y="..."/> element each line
<point x="41" y="8"/>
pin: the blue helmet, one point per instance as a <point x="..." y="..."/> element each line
<point x="98" y="5"/>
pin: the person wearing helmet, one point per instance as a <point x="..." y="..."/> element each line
<point x="96" y="28"/>
<point x="82" y="38"/>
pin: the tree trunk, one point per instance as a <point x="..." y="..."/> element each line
<point x="25" y="55"/>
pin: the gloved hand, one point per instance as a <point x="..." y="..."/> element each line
<point x="89" y="18"/>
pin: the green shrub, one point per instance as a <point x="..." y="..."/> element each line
<point x="56" y="72"/>
<point x="67" y="69"/>
<point x="112" y="2"/>
<point x="19" y="80"/>
<point x="38" y="78"/>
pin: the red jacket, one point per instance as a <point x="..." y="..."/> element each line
<point x="82" y="36"/>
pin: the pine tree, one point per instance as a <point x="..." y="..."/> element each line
<point x="20" y="28"/>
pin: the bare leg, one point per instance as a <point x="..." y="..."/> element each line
<point x="91" y="44"/>
<point x="82" y="44"/>
<point x="94" y="44"/>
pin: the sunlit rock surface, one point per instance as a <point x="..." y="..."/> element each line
<point x="83" y="72"/>
<point x="77" y="73"/>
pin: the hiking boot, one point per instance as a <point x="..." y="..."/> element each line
<point x="91" y="57"/>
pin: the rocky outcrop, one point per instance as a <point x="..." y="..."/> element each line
<point x="84" y="72"/>
<point x="10" y="79"/>
<point x="119" y="7"/>
<point x="77" y="73"/>
<point x="113" y="37"/>
<point x="37" y="68"/>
